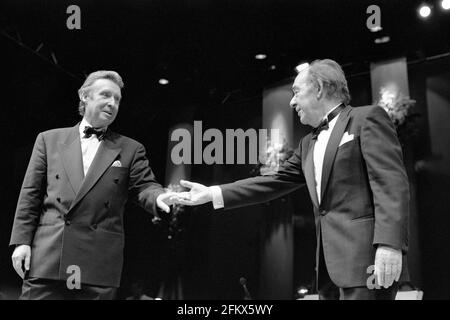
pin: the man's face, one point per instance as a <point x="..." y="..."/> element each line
<point x="102" y="103"/>
<point x="306" y="100"/>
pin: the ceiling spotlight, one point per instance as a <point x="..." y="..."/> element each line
<point x="260" y="56"/>
<point x="382" y="40"/>
<point x="163" y="81"/>
<point x="302" y="66"/>
<point x="376" y="29"/>
<point x="445" y="4"/>
<point x="424" y="11"/>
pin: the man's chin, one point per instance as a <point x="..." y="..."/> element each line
<point x="106" y="120"/>
<point x="303" y="121"/>
<point x="101" y="123"/>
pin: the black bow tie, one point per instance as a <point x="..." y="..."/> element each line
<point x="323" y="125"/>
<point x="89" y="131"/>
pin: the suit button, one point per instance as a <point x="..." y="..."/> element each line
<point x="94" y="226"/>
<point x="67" y="222"/>
<point x="57" y="176"/>
<point x="58" y="199"/>
<point x="116" y="180"/>
<point x="323" y="212"/>
<point x="107" y="204"/>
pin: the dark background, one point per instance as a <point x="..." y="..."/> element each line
<point x="206" y="49"/>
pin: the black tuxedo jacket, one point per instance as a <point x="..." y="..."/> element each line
<point x="69" y="219"/>
<point x="364" y="192"/>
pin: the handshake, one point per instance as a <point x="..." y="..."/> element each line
<point x="197" y="194"/>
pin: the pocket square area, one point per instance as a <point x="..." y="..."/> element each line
<point x="346" y="138"/>
<point x="116" y="163"/>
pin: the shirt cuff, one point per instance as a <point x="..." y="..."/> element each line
<point x="217" y="198"/>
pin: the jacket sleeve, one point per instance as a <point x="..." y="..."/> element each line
<point x="265" y="188"/>
<point x="29" y="204"/>
<point x="388" y="180"/>
<point x="143" y="185"/>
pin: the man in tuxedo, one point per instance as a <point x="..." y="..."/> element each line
<point x="352" y="165"/>
<point x="68" y="228"/>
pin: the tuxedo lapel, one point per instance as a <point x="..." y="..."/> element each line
<point x="332" y="147"/>
<point x="309" y="173"/>
<point x="72" y="160"/>
<point x="103" y="159"/>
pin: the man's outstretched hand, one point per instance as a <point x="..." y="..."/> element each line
<point x="198" y="194"/>
<point x="165" y="200"/>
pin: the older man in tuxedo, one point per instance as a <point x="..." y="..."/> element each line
<point x="68" y="229"/>
<point x="353" y="167"/>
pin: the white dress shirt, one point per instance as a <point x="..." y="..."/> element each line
<point x="318" y="156"/>
<point x="89" y="146"/>
<point x="319" y="151"/>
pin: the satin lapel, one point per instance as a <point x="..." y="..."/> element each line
<point x="103" y="159"/>
<point x="309" y="173"/>
<point x="71" y="158"/>
<point x="332" y="147"/>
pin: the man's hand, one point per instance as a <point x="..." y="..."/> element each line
<point x="22" y="253"/>
<point x="198" y="194"/>
<point x="388" y="265"/>
<point x="163" y="201"/>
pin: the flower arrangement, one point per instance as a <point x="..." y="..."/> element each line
<point x="172" y="222"/>
<point x="173" y="228"/>
<point x="273" y="157"/>
<point x="399" y="109"/>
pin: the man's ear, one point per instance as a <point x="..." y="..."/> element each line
<point x="83" y="95"/>
<point x="320" y="89"/>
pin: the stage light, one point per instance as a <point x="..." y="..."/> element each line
<point x="260" y="56"/>
<point x="302" y="66"/>
<point x="445" y="4"/>
<point x="273" y="67"/>
<point x="163" y="81"/>
<point x="303" y="291"/>
<point x="376" y="29"/>
<point x="424" y="11"/>
<point x="382" y="40"/>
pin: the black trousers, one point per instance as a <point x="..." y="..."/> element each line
<point x="329" y="291"/>
<point x="45" y="289"/>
